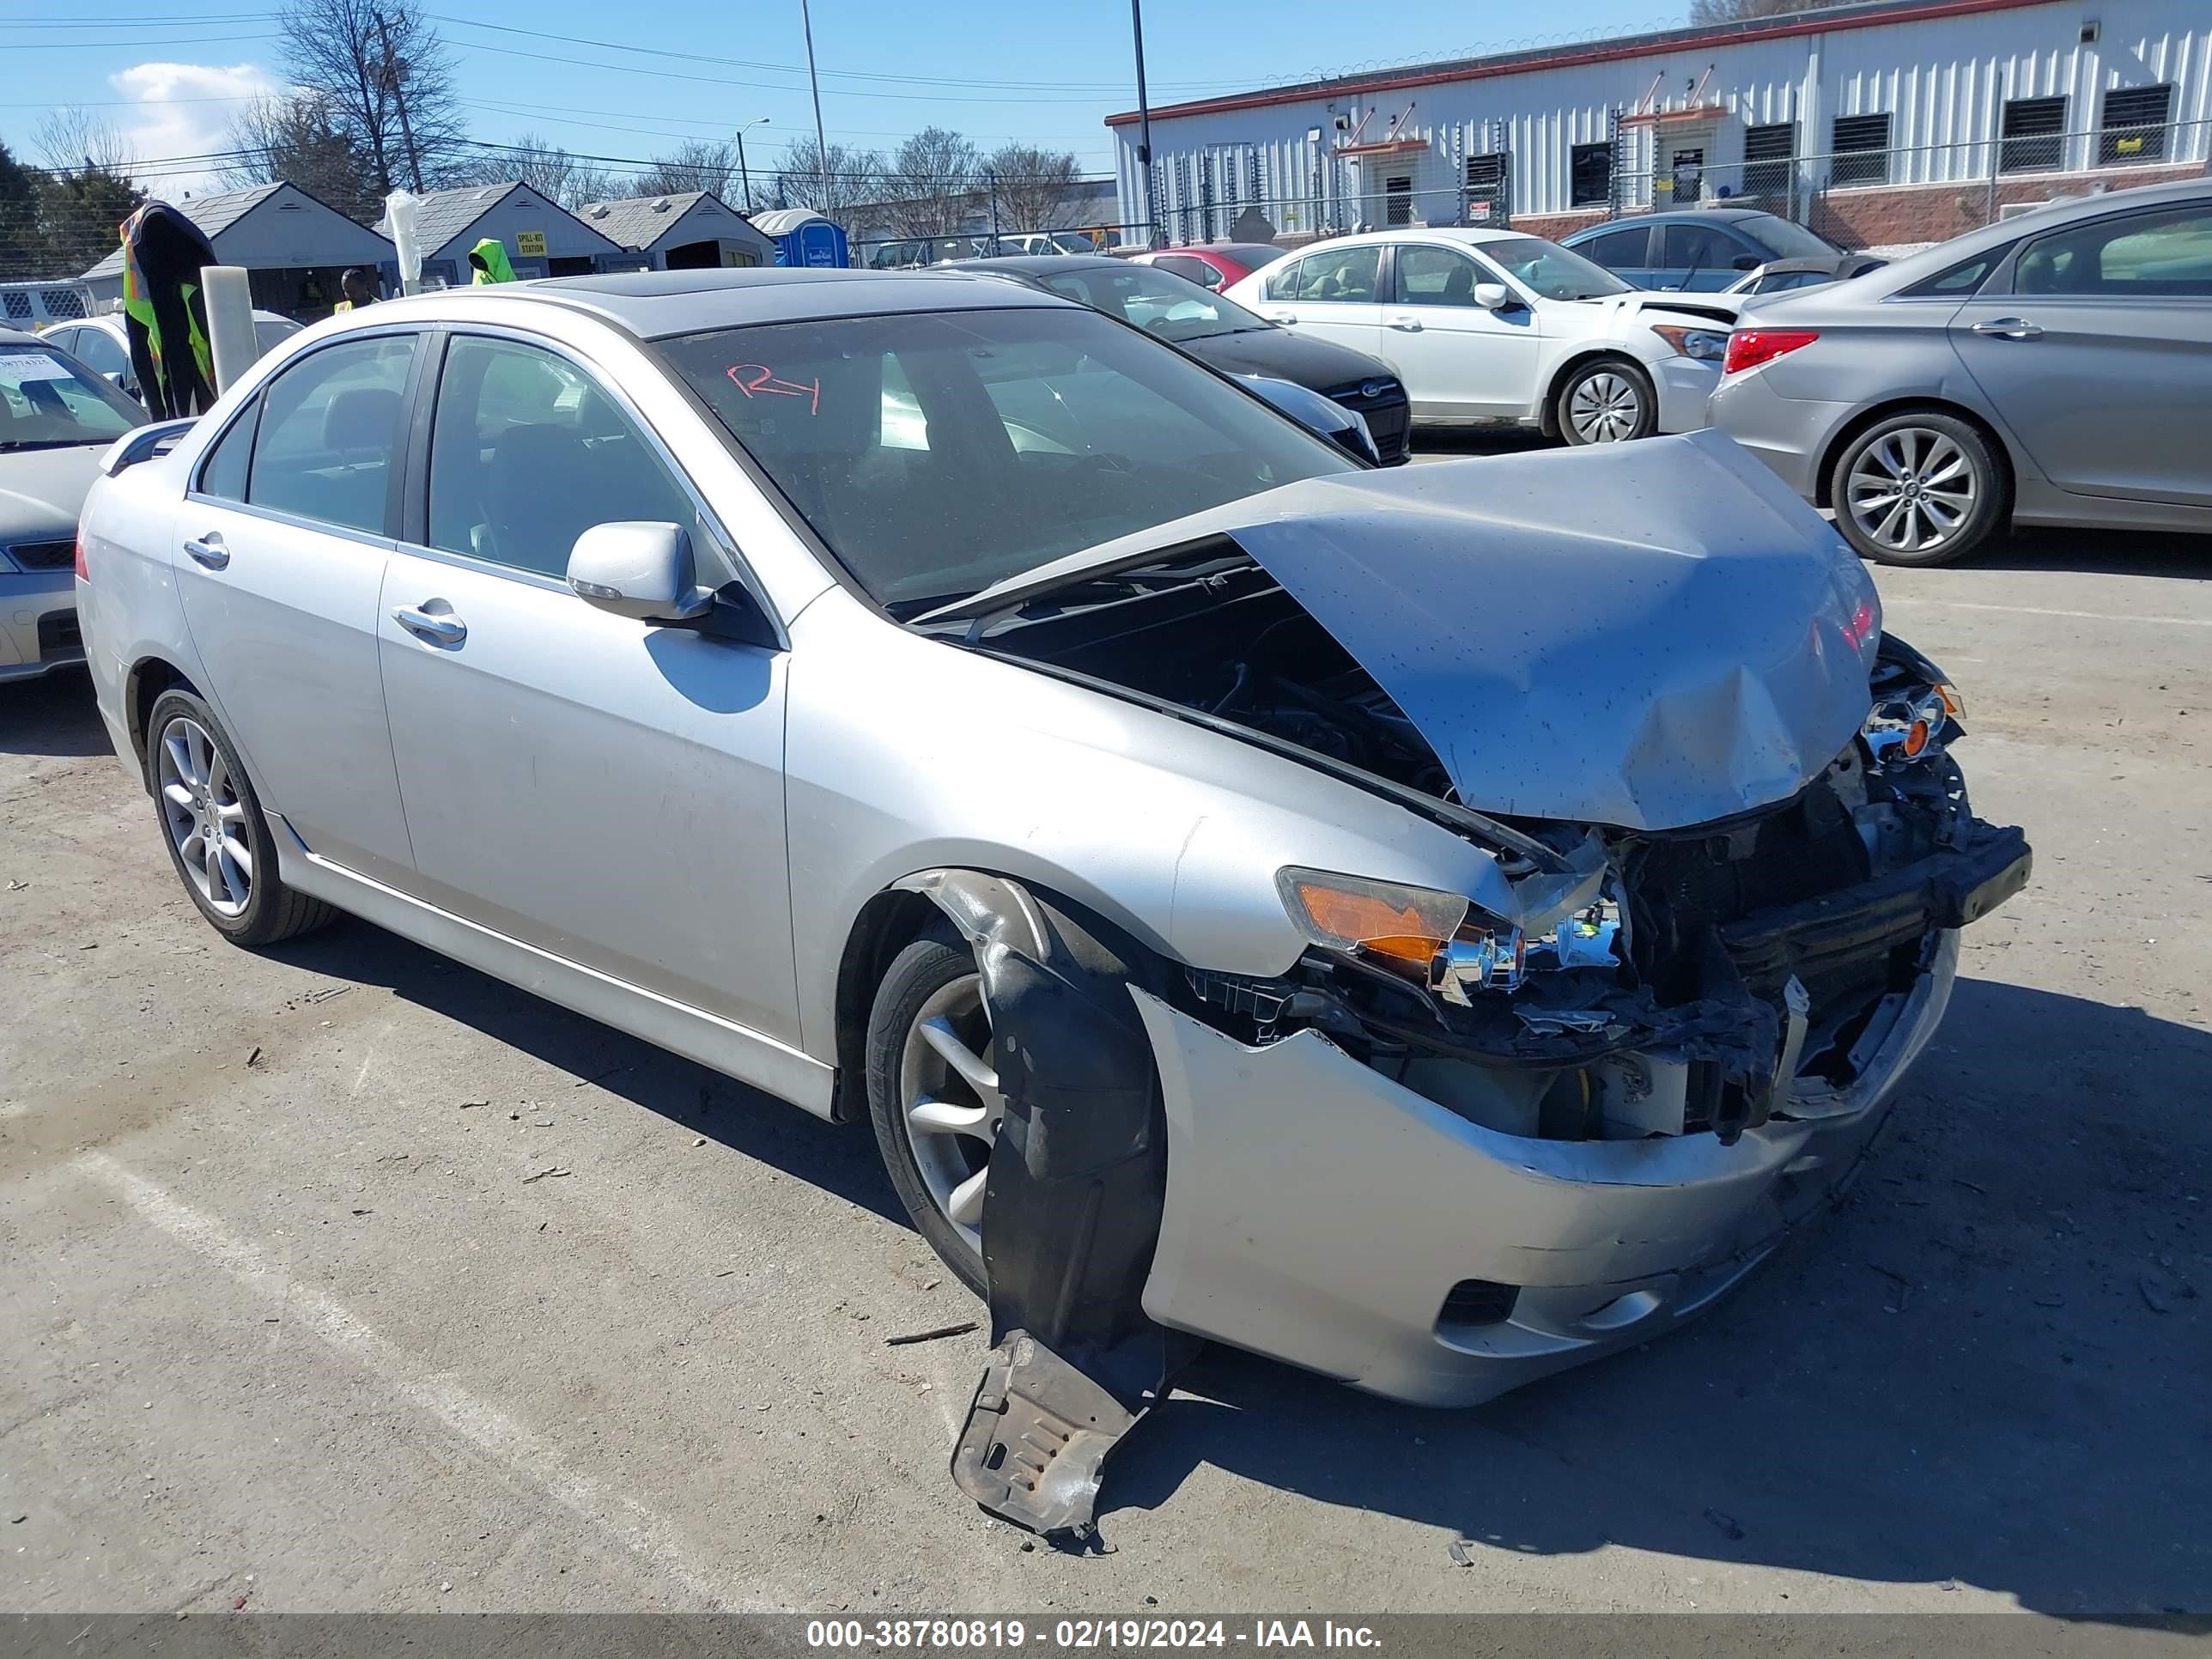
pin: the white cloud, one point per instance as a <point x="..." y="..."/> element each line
<point x="183" y="109"/>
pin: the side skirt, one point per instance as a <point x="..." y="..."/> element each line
<point x="734" y="1050"/>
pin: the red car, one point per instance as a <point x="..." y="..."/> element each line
<point x="1216" y="265"/>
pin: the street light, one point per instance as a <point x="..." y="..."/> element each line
<point x="745" y="177"/>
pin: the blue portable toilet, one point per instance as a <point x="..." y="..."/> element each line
<point x="803" y="237"/>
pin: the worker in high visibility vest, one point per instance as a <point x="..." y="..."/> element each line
<point x="164" y="315"/>
<point x="490" y="259"/>
<point x="359" y="288"/>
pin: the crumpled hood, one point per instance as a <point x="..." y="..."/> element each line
<point x="42" y="490"/>
<point x="1650" y="635"/>
<point x="1713" y="310"/>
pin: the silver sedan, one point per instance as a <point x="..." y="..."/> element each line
<point x="2050" y="369"/>
<point x="1432" y="925"/>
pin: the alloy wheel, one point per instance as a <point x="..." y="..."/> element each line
<point x="1607" y="408"/>
<point x="205" y="819"/>
<point x="950" y="1103"/>
<point x="1912" y="490"/>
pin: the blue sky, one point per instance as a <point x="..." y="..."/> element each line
<point x="1045" y="73"/>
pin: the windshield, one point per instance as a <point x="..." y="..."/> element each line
<point x="1553" y="271"/>
<point x="1170" y="305"/>
<point x="46" y="401"/>
<point x="937" y="453"/>
<point x="1790" y="240"/>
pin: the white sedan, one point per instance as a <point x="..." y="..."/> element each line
<point x="1491" y="325"/>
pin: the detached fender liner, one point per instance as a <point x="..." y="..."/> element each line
<point x="1072" y="1202"/>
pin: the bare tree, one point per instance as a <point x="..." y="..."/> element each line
<point x="695" y="164"/>
<point x="832" y="184"/>
<point x="300" y="140"/>
<point x="1034" y="186"/>
<point x="381" y="72"/>
<point x="1734" y="11"/>
<point x="71" y="138"/>
<point x="544" y="165"/>
<point x="929" y="187"/>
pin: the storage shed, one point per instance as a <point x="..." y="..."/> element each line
<point x="294" y="247"/>
<point x="691" y="230"/>
<point x="542" y="238"/>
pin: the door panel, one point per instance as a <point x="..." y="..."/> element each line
<point x="284" y="609"/>
<point x="1334" y="294"/>
<point x="607" y="790"/>
<point x="1456" y="358"/>
<point x="2100" y="357"/>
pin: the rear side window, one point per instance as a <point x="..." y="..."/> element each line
<point x="2140" y="256"/>
<point x="1338" y="276"/>
<point x="330" y="434"/>
<point x="1961" y="280"/>
<point x="102" y="352"/>
<point x="222" y="474"/>
<point x="1617" y="249"/>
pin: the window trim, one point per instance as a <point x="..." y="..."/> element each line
<point x="393" y="500"/>
<point x="416" y="519"/>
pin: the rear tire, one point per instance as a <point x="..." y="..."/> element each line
<point x="1605" y="400"/>
<point x="213" y="826"/>
<point x="1921" y="488"/>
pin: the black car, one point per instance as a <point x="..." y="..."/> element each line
<point x="1222" y="334"/>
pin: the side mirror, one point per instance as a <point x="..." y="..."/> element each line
<point x="1492" y="296"/>
<point x="637" y="569"/>
<point x="1747" y="262"/>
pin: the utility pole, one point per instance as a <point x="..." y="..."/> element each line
<point x="744" y="175"/>
<point x="821" y="142"/>
<point x="991" y="178"/>
<point x="389" y="76"/>
<point x="1152" y="236"/>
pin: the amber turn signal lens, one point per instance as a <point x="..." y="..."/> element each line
<point x="1407" y="924"/>
<point x="1916" y="739"/>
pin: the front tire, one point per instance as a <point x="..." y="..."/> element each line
<point x="214" y="829"/>
<point x="1607" y="400"/>
<point x="1918" y="488"/>
<point x="934" y="1096"/>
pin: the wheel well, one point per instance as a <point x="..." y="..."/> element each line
<point x="1824" y="496"/>
<point x="147" y="681"/>
<point x="887" y="924"/>
<point x="1548" y="414"/>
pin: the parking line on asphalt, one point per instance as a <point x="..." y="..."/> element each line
<point x="535" y="1461"/>
<point x="2031" y="611"/>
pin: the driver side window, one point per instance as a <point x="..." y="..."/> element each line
<point x="526" y="454"/>
<point x="1436" y="276"/>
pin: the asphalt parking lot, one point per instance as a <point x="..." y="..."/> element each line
<point x="345" y="1277"/>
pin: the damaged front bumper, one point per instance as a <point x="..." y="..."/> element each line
<point x="1319" y="1211"/>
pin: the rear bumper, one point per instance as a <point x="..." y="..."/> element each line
<point x="1318" y="1211"/>
<point x="1790" y="434"/>
<point x="37" y="624"/>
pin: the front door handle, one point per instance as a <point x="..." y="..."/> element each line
<point x="1282" y="316"/>
<point x="209" y="550"/>
<point x="1407" y="325"/>
<point x="445" y="629"/>
<point x="2009" y="328"/>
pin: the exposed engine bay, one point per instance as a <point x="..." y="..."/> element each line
<point x="1688" y="980"/>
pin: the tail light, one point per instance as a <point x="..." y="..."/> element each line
<point x="82" y="574"/>
<point x="1747" y="348"/>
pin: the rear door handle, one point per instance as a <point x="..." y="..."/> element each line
<point x="209" y="550"/>
<point x="1407" y="325"/>
<point x="438" y="630"/>
<point x="2009" y="328"/>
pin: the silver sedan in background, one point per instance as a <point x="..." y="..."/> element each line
<point x="1433" y="925"/>
<point x="2055" y="368"/>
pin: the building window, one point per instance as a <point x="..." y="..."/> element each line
<point x="1397" y="200"/>
<point x="1767" y="152"/>
<point x="2033" y="130"/>
<point x="1589" y="176"/>
<point x="2135" y="125"/>
<point x="1862" y="150"/>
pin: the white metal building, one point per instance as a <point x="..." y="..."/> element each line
<point x="1865" y="121"/>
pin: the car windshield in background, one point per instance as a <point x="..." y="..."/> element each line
<point x="939" y="453"/>
<point x="46" y="402"/>
<point x="1790" y="240"/>
<point x="1553" y="271"/>
<point x="1157" y="300"/>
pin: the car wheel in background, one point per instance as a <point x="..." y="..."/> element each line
<point x="214" y="829"/>
<point x="934" y="1096"/>
<point x="1920" y="488"/>
<point x="1607" y="400"/>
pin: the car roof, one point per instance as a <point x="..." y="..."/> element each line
<point x="1462" y="234"/>
<point x="655" y="304"/>
<point x="1036" y="264"/>
<point x="16" y="337"/>
<point x="1902" y="272"/>
<point x="1674" y="215"/>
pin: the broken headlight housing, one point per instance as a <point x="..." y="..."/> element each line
<point x="1442" y="940"/>
<point x="1916" y="709"/>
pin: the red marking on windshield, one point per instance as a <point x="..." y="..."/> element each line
<point x="757" y="379"/>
